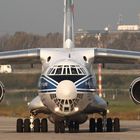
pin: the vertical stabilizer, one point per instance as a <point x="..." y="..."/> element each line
<point x="68" y="36"/>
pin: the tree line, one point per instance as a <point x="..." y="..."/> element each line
<point x="23" y="40"/>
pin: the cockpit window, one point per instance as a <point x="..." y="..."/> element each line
<point x="50" y="70"/>
<point x="79" y="71"/>
<point x="58" y="71"/>
<point x="66" y="70"/>
<point x="53" y="71"/>
<point x="83" y="71"/>
<point x="74" y="71"/>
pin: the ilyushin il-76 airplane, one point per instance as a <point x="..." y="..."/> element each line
<point x="67" y="91"/>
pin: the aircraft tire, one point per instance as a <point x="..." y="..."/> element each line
<point x="99" y="125"/>
<point x="44" y="125"/>
<point x="92" y="125"/>
<point x="56" y="127"/>
<point x="76" y="127"/>
<point x="19" y="126"/>
<point x="36" y="125"/>
<point x="109" y="125"/>
<point x="62" y="127"/>
<point x="71" y="126"/>
<point x="27" y="125"/>
<point x="116" y="125"/>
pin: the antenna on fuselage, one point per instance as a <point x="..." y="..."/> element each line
<point x="68" y="35"/>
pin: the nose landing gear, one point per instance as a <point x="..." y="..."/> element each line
<point x="73" y="127"/>
<point x="60" y="126"/>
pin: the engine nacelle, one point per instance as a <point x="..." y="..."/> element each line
<point x="135" y="90"/>
<point x="2" y="91"/>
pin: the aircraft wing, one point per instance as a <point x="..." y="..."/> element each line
<point x="100" y="55"/>
<point x="28" y="56"/>
<point x="115" y="56"/>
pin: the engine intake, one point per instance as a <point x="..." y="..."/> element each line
<point x="135" y="90"/>
<point x="2" y="91"/>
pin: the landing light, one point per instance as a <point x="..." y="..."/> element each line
<point x="56" y="109"/>
<point x="108" y="111"/>
<point x="76" y="109"/>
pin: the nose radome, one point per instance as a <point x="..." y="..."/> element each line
<point x="66" y="90"/>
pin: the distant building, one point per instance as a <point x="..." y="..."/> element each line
<point x="81" y="34"/>
<point x="5" y="69"/>
<point x="92" y="32"/>
<point x="128" y="28"/>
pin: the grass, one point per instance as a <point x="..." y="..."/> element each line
<point x="122" y="107"/>
<point x="15" y="103"/>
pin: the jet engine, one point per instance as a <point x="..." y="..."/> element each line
<point x="2" y="91"/>
<point x="135" y="90"/>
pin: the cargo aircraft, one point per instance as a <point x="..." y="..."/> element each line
<point x="67" y="91"/>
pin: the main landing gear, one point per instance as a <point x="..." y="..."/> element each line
<point x="41" y="125"/>
<point x="29" y="125"/>
<point x="104" y="125"/>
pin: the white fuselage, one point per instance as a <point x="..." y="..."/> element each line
<point x="66" y="86"/>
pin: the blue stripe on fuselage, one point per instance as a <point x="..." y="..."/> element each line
<point x="46" y="85"/>
<point x="50" y="80"/>
<point x="84" y="84"/>
<point x="82" y="79"/>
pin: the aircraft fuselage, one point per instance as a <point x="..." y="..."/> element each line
<point x="68" y="88"/>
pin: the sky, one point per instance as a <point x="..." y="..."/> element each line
<point x="44" y="16"/>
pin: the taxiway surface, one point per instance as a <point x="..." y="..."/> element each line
<point x="130" y="130"/>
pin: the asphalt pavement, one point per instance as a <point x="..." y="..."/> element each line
<point x="130" y="130"/>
